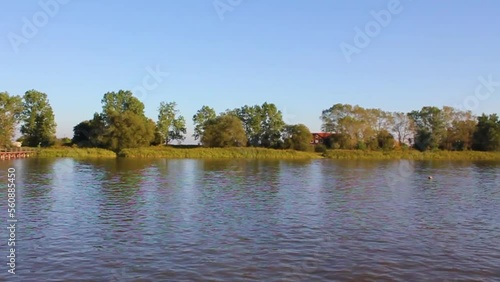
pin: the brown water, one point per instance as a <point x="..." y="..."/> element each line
<point x="194" y="220"/>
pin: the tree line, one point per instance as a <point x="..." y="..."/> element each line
<point x="430" y="128"/>
<point x="33" y="113"/>
<point x="122" y="123"/>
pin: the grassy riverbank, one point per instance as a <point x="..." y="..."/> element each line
<point x="194" y="152"/>
<point x="68" y="152"/>
<point x="412" y="155"/>
<point x="214" y="153"/>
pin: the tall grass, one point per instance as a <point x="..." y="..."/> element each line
<point x="68" y="152"/>
<point x="214" y="153"/>
<point x="412" y="155"/>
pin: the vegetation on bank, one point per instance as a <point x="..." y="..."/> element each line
<point x="197" y="152"/>
<point x="77" y="153"/>
<point x="122" y="124"/>
<point x="215" y="153"/>
<point x="412" y="155"/>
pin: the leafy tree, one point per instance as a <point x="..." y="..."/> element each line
<point x="39" y="126"/>
<point x="81" y="133"/>
<point x="252" y="122"/>
<point x="121" y="102"/>
<point x="339" y="141"/>
<point x="178" y="129"/>
<point x="90" y="133"/>
<point x="272" y="125"/>
<point x="332" y="118"/>
<point x="11" y="108"/>
<point x="200" y="119"/>
<point x="297" y="137"/>
<point x="129" y="130"/>
<point x="431" y="127"/>
<point x="122" y="123"/>
<point x="359" y="124"/>
<point x="402" y="126"/>
<point x="460" y="132"/>
<point x="385" y="140"/>
<point x="224" y="131"/>
<point x="170" y="126"/>
<point x="263" y="124"/>
<point x="487" y="134"/>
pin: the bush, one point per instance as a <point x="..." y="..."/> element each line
<point x="320" y="148"/>
<point x="214" y="153"/>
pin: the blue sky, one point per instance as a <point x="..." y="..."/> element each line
<point x="284" y="52"/>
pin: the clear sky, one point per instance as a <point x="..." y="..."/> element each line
<point x="285" y="52"/>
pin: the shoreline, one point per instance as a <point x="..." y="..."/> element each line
<point x="171" y="152"/>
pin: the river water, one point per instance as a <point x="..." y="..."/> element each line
<point x="247" y="220"/>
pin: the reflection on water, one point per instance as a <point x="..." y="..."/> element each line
<point x="249" y="220"/>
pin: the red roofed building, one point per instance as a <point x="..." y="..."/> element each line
<point x="319" y="137"/>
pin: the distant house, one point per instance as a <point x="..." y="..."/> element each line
<point x="319" y="137"/>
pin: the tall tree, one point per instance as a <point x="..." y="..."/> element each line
<point x="272" y="125"/>
<point x="460" y="131"/>
<point x="487" y="134"/>
<point x="403" y="127"/>
<point x="200" y="119"/>
<point x="171" y="126"/>
<point x="357" y="125"/>
<point x="251" y="116"/>
<point x="332" y="118"/>
<point x="39" y="126"/>
<point x="431" y="127"/>
<point x="124" y="122"/>
<point x="11" y="108"/>
<point x="263" y="124"/>
<point x="121" y="102"/>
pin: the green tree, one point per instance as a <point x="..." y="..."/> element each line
<point x="121" y="102"/>
<point x="272" y="125"/>
<point x="359" y="124"/>
<point x="11" y="108"/>
<point x="81" y="133"/>
<point x="122" y="122"/>
<point x="385" y="140"/>
<point x="460" y="131"/>
<point x="263" y="124"/>
<point x="129" y="130"/>
<point x="297" y="137"/>
<point x="431" y="127"/>
<point x="200" y="119"/>
<point x="170" y="125"/>
<point x="90" y="133"/>
<point x="487" y="134"/>
<point x="224" y="131"/>
<point x="332" y="118"/>
<point x="39" y="126"/>
<point x="252" y="122"/>
<point x="339" y="141"/>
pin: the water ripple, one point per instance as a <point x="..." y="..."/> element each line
<point x="191" y="220"/>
